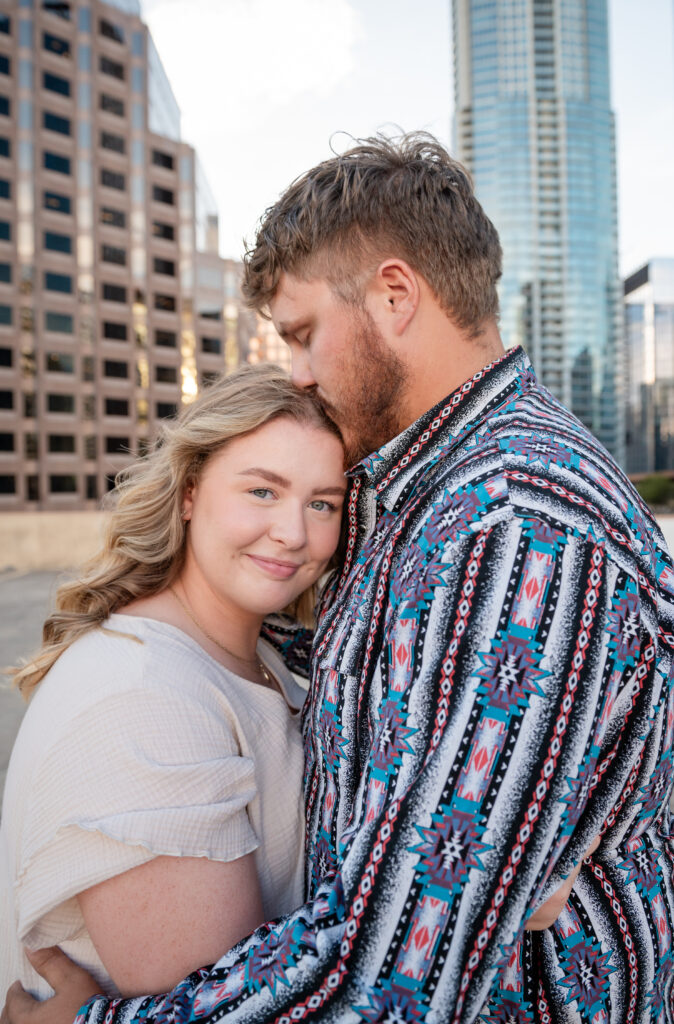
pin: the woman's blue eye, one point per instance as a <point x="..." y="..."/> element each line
<point x="323" y="506"/>
<point x="262" y="492"/>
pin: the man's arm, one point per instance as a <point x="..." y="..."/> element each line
<point x="483" y="718"/>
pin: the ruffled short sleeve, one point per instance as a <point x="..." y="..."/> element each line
<point x="143" y="772"/>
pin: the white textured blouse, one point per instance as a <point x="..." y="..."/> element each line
<point x="138" y="744"/>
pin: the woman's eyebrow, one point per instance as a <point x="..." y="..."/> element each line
<point x="266" y="474"/>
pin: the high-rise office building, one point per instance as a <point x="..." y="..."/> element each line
<point x="115" y="305"/>
<point x="534" y="126"/>
<point x="649" y="357"/>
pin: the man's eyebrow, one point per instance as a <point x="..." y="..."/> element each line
<point x="288" y="328"/>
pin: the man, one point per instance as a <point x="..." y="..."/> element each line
<point x="492" y="671"/>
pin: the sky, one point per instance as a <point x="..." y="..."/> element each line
<point x="267" y="87"/>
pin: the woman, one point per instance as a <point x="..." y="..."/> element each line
<point x="155" y="781"/>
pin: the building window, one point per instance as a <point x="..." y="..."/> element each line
<point x="116" y="407"/>
<point x="211" y="345"/>
<point x="110" y="31"/>
<point x="5" y="65"/>
<point x="58" y="7"/>
<point x="61" y="443"/>
<point x="32" y="487"/>
<point x="6" y="399"/>
<point x="114" y="142"/>
<point x="56" y="202"/>
<point x="114" y="293"/>
<point x="58" y="282"/>
<point x="56" y="162"/>
<point x="54" y="123"/>
<point x="113" y="179"/>
<point x="111" y="67"/>
<point x="57" y="243"/>
<point x="161" y="159"/>
<point x="166" y="339"/>
<point x="163" y="195"/>
<point x="55" y="44"/>
<point x="88" y="368"/>
<point x="30" y="405"/>
<point x="117" y="445"/>
<point x="59" y="322"/>
<point x="115" y="332"/>
<point x="90" y="446"/>
<point x="7" y="484"/>
<point x="5" y="106"/>
<point x="112" y="105"/>
<point x="6" y="315"/>
<point x="60" y="483"/>
<point x="5" y="189"/>
<point x="89" y="407"/>
<point x="30" y="446"/>
<point x="165" y="410"/>
<point x="209" y="312"/>
<point x="166" y="374"/>
<point x="54" y="83"/>
<point x="161" y="230"/>
<point x="115" y="368"/>
<point x="60" y="403"/>
<point x="5" y="24"/>
<point x="6" y="357"/>
<point x="5" y="231"/>
<point x="59" y="362"/>
<point x="113" y="254"/>
<point x="115" y="218"/>
<point x="6" y="442"/>
<point x="5" y="273"/>
<point x="162" y="266"/>
<point x="92" y="487"/>
<point x="5" y="149"/>
<point x="165" y="302"/>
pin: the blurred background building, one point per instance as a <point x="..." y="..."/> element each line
<point x="115" y="305"/>
<point x="534" y="126"/>
<point x="649" y="345"/>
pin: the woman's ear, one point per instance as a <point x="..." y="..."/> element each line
<point x="188" y="501"/>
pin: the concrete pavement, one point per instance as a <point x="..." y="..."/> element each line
<point x="25" y="599"/>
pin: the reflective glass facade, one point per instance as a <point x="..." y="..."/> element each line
<point x="649" y="350"/>
<point x="534" y="127"/>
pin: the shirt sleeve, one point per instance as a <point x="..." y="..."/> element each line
<point x="487" y="750"/>
<point x="142" y="773"/>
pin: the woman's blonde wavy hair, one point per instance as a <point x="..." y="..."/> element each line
<point x="144" y="542"/>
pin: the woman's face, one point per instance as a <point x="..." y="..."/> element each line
<point x="264" y="518"/>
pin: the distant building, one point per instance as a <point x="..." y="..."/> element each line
<point x="649" y="349"/>
<point x="115" y="306"/>
<point x="533" y="125"/>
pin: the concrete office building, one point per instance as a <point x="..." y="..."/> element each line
<point x="649" y="356"/>
<point x="533" y="125"/>
<point x="112" y="292"/>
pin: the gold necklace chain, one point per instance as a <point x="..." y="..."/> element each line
<point x="257" y="661"/>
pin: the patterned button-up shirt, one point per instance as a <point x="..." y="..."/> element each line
<point x="492" y="687"/>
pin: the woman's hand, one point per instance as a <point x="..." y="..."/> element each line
<point x="72" y="985"/>
<point x="547" y="914"/>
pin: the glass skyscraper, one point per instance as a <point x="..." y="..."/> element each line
<point x="534" y="126"/>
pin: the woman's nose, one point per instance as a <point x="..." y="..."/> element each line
<point x="289" y="527"/>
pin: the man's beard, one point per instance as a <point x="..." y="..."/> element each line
<point x="367" y="403"/>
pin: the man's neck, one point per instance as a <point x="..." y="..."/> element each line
<point x="445" y="361"/>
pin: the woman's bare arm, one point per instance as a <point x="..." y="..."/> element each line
<point x="158" y="922"/>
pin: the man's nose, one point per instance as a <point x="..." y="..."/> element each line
<point x="301" y="369"/>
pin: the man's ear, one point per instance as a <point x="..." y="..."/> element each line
<point x="396" y="288"/>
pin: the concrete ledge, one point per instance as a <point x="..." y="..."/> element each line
<point x="48" y="540"/>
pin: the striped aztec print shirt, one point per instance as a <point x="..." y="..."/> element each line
<point x="492" y="687"/>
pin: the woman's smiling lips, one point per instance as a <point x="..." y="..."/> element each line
<point x="275" y="568"/>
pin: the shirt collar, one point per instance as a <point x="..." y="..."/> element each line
<point x="446" y="424"/>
